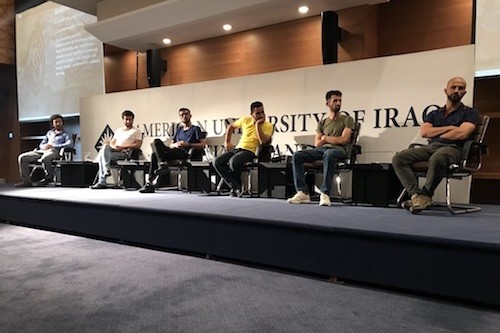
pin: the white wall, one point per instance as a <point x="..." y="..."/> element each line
<point x="375" y="88"/>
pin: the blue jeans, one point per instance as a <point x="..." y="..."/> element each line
<point x="330" y="157"/>
<point x="105" y="156"/>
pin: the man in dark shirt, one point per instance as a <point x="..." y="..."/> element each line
<point x="186" y="136"/>
<point x="447" y="128"/>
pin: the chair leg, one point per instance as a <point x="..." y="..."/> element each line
<point x="179" y="179"/>
<point x="401" y="195"/>
<point x="218" y="189"/>
<point x="457" y="208"/>
<point x="339" y="187"/>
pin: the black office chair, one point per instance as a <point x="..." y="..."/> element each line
<point x="469" y="163"/>
<point x="263" y="154"/>
<point x="181" y="166"/>
<point x="65" y="154"/>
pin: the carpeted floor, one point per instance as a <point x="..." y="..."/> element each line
<point x="52" y="282"/>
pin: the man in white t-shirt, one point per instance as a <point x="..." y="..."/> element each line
<point x="125" y="139"/>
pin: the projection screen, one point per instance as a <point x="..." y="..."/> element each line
<point x="57" y="61"/>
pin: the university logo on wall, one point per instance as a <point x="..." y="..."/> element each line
<point x="104" y="138"/>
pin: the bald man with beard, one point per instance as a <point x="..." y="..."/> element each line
<point x="446" y="128"/>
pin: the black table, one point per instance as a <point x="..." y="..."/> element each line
<point x="202" y="177"/>
<point x="77" y="173"/>
<point x="133" y="172"/>
<point x="375" y="184"/>
<point x="275" y="180"/>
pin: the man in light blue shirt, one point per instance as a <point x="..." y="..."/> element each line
<point x="48" y="150"/>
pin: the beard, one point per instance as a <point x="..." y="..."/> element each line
<point x="454" y="98"/>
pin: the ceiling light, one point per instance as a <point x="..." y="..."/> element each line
<point x="167" y="41"/>
<point x="227" y="27"/>
<point x="303" y="9"/>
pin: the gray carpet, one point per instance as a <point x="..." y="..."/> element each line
<point x="52" y="282"/>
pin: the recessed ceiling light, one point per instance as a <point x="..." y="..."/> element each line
<point x="227" y="27"/>
<point x="167" y="41"/>
<point x="303" y="9"/>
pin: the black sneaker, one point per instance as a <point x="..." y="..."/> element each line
<point x="148" y="188"/>
<point x="23" y="184"/>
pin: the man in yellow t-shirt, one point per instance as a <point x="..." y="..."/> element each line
<point x="256" y="131"/>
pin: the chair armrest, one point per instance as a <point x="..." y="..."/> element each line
<point x="195" y="154"/>
<point x="304" y="146"/>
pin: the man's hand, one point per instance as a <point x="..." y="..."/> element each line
<point x="47" y="146"/>
<point x="229" y="146"/>
<point x="259" y="121"/>
<point x="180" y="144"/>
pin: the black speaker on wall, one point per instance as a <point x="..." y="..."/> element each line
<point x="156" y="66"/>
<point x="331" y="35"/>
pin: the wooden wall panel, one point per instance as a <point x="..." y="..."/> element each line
<point x="412" y="26"/>
<point x="487" y="102"/>
<point x="8" y="93"/>
<point x="485" y="191"/>
<point x="120" y="71"/>
<point x="360" y="33"/>
<point x="10" y="148"/>
<point x="283" y="46"/>
<point x="7" y="36"/>
<point x="396" y="27"/>
<point x="486" y="96"/>
<point x="289" y="45"/>
<point x="210" y="59"/>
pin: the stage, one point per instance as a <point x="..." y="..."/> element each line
<point x="436" y="253"/>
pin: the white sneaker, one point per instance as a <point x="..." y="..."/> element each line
<point x="299" y="198"/>
<point x="324" y="200"/>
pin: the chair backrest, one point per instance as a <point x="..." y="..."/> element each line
<point x="480" y="131"/>
<point x="68" y="153"/>
<point x="264" y="153"/>
<point x="352" y="148"/>
<point x="475" y="147"/>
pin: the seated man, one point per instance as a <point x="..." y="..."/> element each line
<point x="124" y="139"/>
<point x="256" y="131"/>
<point x="332" y="134"/>
<point x="186" y="136"/>
<point x="447" y="128"/>
<point x="48" y="150"/>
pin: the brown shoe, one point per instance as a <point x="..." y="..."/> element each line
<point x="420" y="202"/>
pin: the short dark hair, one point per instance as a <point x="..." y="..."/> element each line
<point x="55" y="116"/>
<point x="333" y="92"/>
<point x="184" y="109"/>
<point x="127" y="113"/>
<point x="256" y="104"/>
